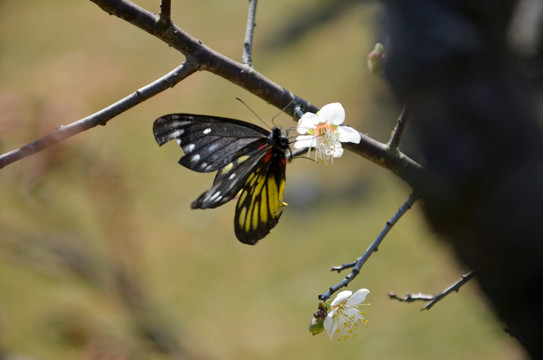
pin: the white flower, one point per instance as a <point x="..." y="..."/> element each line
<point x="325" y="132"/>
<point x="342" y="322"/>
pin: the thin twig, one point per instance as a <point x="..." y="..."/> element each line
<point x="410" y="297"/>
<point x="356" y="266"/>
<point x="246" y="58"/>
<point x="203" y="56"/>
<point x="342" y="267"/>
<point x="433" y="299"/>
<point x="165" y="11"/>
<point x="101" y="117"/>
<point x="398" y="130"/>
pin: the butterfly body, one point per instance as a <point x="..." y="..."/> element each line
<point x="247" y="158"/>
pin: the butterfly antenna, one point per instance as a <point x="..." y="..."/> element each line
<point x="287" y="132"/>
<point x="254" y="113"/>
<point x="282" y="111"/>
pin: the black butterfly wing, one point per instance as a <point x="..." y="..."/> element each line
<point x="209" y="142"/>
<point x="232" y="178"/>
<point x="248" y="159"/>
<point x="260" y="202"/>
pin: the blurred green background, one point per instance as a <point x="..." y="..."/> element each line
<point x="101" y="256"/>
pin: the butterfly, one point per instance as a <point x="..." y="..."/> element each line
<point x="247" y="158"/>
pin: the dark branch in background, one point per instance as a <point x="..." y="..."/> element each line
<point x="473" y="115"/>
<point x="246" y="58"/>
<point x="398" y="129"/>
<point x="56" y="256"/>
<point x="357" y="265"/>
<point x="433" y="299"/>
<point x="149" y="323"/>
<point x="101" y="117"/>
<point x="165" y="11"/>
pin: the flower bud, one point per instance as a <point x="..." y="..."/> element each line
<point x="376" y="58"/>
<point x="316" y="325"/>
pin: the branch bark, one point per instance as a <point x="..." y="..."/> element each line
<point x="246" y="58"/>
<point x="101" y="117"/>
<point x="431" y="300"/>
<point x="397" y="133"/>
<point x="166" y="11"/>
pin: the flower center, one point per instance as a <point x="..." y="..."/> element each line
<point x="323" y="128"/>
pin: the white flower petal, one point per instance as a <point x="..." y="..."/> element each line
<point x="341" y="297"/>
<point x="346" y="133"/>
<point x="333" y="330"/>
<point x="305" y="141"/>
<point x="343" y="321"/>
<point x="326" y="132"/>
<point x="338" y="151"/>
<point x="331" y="324"/>
<point x="333" y="114"/>
<point x="306" y="122"/>
<point x="358" y="297"/>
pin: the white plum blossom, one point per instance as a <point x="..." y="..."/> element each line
<point x="325" y="132"/>
<point x="343" y="320"/>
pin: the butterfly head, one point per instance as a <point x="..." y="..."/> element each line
<point x="276" y="138"/>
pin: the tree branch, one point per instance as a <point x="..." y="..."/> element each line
<point x="204" y="57"/>
<point x="165" y="11"/>
<point x="357" y="265"/>
<point x="398" y="129"/>
<point x="101" y="117"/>
<point x="433" y="299"/>
<point x="246" y="77"/>
<point x="246" y="58"/>
<point x="381" y="154"/>
<point x="201" y="57"/>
